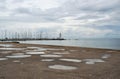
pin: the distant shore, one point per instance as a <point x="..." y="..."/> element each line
<point x="27" y="39"/>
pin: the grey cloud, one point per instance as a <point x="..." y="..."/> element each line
<point x="30" y="11"/>
<point x="18" y="1"/>
<point x="2" y="1"/>
<point x="35" y="15"/>
<point x="22" y="11"/>
<point x="2" y="8"/>
<point x="74" y="7"/>
<point x="94" y="9"/>
<point x="28" y="19"/>
<point x="94" y="5"/>
<point x="89" y="16"/>
<point x="2" y="5"/>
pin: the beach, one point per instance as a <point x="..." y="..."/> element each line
<point x="35" y="61"/>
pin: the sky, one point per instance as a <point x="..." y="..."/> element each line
<point x="73" y="18"/>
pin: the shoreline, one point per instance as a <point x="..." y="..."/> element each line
<point x="58" y="46"/>
<point x="57" y="62"/>
<point x="94" y="43"/>
<point x="72" y="46"/>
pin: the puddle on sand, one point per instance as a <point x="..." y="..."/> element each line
<point x="32" y="47"/>
<point x="35" y="53"/>
<point x="16" y="61"/>
<point x="37" y="48"/>
<point x="6" y="45"/>
<point x="89" y="62"/>
<point x="41" y="49"/>
<point x="59" y="53"/>
<point x="18" y="56"/>
<point x="54" y="49"/>
<point x="62" y="67"/>
<point x="15" y="54"/>
<point x="93" y="61"/>
<point x="3" y="59"/>
<point x="50" y="55"/>
<point x="5" y="52"/>
<point x="111" y="51"/>
<point x="11" y="48"/>
<point x="47" y="60"/>
<point x="83" y="51"/>
<point x="106" y="56"/>
<point x="73" y="50"/>
<point x="71" y="60"/>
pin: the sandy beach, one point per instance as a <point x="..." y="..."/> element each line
<point x="33" y="61"/>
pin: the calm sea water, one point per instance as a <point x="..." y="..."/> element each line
<point x="92" y="43"/>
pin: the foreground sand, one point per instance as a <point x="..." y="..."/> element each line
<point x="34" y="68"/>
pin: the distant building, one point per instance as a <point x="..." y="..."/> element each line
<point x="60" y="36"/>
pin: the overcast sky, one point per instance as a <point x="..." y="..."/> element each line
<point x="74" y="18"/>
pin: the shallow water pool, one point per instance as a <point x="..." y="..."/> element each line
<point x="47" y="60"/>
<point x="11" y="48"/>
<point x="3" y="59"/>
<point x="35" y="53"/>
<point x="62" y="67"/>
<point x="93" y="61"/>
<point x="6" y="45"/>
<point x="50" y="55"/>
<point x="60" y="53"/>
<point x="106" y="56"/>
<point x="71" y="60"/>
<point x="18" y="56"/>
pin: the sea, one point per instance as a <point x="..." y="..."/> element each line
<point x="89" y="43"/>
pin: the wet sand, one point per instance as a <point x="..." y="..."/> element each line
<point x="38" y="67"/>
